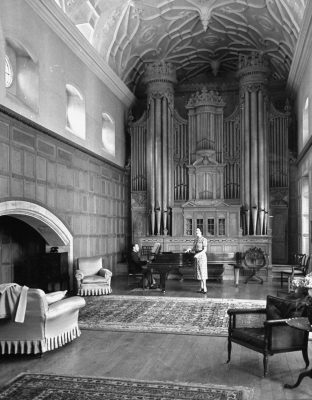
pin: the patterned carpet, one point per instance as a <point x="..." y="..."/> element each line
<point x="160" y="314"/>
<point x="57" y="387"/>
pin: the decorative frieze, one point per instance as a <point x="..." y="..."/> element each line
<point x="205" y="98"/>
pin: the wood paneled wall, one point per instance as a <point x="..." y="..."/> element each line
<point x="87" y="193"/>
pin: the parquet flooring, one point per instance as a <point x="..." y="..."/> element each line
<point x="169" y="357"/>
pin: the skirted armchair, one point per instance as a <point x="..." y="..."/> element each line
<point x="92" y="278"/>
<point x="48" y="322"/>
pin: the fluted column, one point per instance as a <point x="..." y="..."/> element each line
<point x="253" y="73"/>
<point x="160" y="79"/>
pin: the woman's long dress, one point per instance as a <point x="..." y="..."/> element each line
<point x="201" y="261"/>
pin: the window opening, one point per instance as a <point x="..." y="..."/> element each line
<point x="222" y="226"/>
<point x="8" y="72"/>
<point x="211" y="226"/>
<point x="189" y="227"/>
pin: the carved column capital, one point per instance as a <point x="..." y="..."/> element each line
<point x="253" y="71"/>
<point x="160" y="79"/>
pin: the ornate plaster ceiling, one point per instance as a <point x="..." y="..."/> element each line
<point x="197" y="36"/>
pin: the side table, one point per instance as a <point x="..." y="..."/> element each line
<point x="304" y="325"/>
<point x="236" y="267"/>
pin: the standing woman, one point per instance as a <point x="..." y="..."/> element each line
<point x="200" y="249"/>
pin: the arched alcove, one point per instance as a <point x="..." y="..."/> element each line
<point x="48" y="225"/>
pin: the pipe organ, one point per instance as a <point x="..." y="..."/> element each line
<point x="207" y="169"/>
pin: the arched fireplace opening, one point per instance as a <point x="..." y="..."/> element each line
<point x="28" y="235"/>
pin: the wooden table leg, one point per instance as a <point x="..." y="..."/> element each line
<point x="300" y="377"/>
<point x="236" y="276"/>
<point x="162" y="280"/>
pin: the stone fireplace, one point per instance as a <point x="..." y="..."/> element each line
<point x="46" y="224"/>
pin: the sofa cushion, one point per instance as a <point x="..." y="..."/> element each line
<point x="281" y="308"/>
<point x="55" y="296"/>
<point x="94" y="279"/>
<point x="252" y="336"/>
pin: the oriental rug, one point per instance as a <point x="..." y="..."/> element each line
<point x="176" y="315"/>
<point x="62" y="387"/>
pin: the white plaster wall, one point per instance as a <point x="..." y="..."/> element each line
<point x="305" y="165"/>
<point x="58" y="65"/>
<point x="305" y="90"/>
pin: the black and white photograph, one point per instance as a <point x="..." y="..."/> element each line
<point x="155" y="213"/>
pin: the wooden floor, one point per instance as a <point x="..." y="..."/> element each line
<point x="169" y="357"/>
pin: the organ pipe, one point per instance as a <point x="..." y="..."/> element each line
<point x="137" y="132"/>
<point x="150" y="166"/>
<point x="160" y="78"/>
<point x="262" y="161"/>
<point x="278" y="132"/>
<point x="246" y="200"/>
<point x="253" y="71"/>
<point x="165" y="164"/>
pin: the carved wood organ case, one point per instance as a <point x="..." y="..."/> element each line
<point x="208" y="170"/>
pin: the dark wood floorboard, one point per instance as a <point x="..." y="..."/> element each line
<point x="169" y="357"/>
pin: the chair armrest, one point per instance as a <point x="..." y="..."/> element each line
<point x="79" y="275"/>
<point x="106" y="273"/>
<point x="275" y="322"/>
<point x="65" y="305"/>
<point x="233" y="311"/>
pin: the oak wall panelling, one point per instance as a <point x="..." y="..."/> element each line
<point x="87" y="193"/>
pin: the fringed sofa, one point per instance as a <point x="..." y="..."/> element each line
<point x="50" y="321"/>
<point x="92" y="278"/>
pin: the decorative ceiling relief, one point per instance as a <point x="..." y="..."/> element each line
<point x="204" y="8"/>
<point x="197" y="36"/>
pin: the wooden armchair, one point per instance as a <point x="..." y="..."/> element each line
<point x="268" y="332"/>
<point x="297" y="271"/>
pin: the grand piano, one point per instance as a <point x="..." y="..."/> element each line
<point x="163" y="263"/>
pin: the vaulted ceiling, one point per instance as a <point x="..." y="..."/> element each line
<point x="197" y="36"/>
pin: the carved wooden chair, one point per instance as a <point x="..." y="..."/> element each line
<point x="299" y="267"/>
<point x="300" y="272"/>
<point x="254" y="260"/>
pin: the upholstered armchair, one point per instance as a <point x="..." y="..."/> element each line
<point x="265" y="329"/>
<point x="48" y="322"/>
<point x="92" y="278"/>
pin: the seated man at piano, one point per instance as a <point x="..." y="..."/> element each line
<point x="139" y="266"/>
